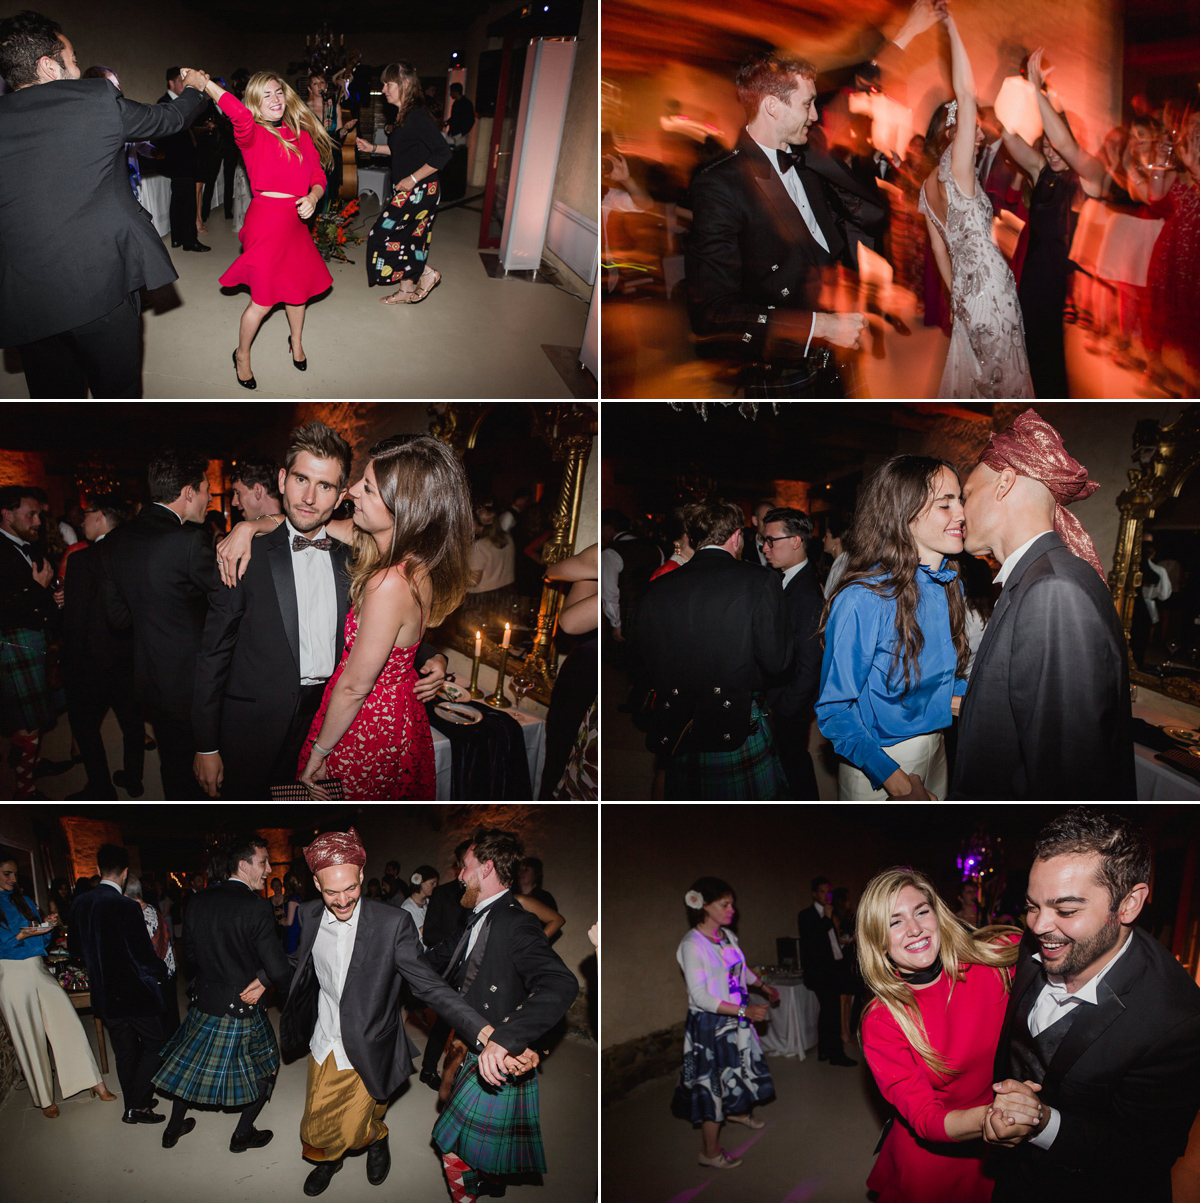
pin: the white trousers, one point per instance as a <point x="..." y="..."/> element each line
<point x="37" y="1010"/>
<point x="924" y="755"/>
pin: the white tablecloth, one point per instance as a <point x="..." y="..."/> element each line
<point x="792" y="1026"/>
<point x="156" y="199"/>
<point x="534" y="730"/>
<point x="1156" y="781"/>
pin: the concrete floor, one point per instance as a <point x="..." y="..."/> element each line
<point x="472" y="337"/>
<point x="801" y="1155"/>
<point x="88" y="1156"/>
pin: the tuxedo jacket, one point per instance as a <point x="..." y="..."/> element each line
<point x="1047" y="711"/>
<point x="67" y="213"/>
<point x="24" y="604"/>
<point x="750" y="254"/>
<point x="512" y="977"/>
<point x="179" y="149"/>
<point x="803" y="602"/>
<point x="386" y="953"/>
<point x="108" y="934"/>
<point x="444" y="916"/>
<point x="816" y="953"/>
<point x="1125" y="1080"/>
<point x="94" y="654"/>
<point x="158" y="575"/>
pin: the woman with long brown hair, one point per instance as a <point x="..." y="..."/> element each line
<point x="895" y="634"/>
<point x="412" y="532"/>
<point x="398" y="244"/>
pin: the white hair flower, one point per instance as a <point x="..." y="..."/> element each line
<point x="694" y="899"/>
<point x="415" y="879"/>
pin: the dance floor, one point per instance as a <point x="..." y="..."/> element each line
<point x="474" y="336"/>
<point x="88" y="1156"/>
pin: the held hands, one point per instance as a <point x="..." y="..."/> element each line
<point x="432" y="676"/>
<point x="210" y="772"/>
<point x="521" y="1064"/>
<point x="253" y="992"/>
<point x="1015" y="1113"/>
<point x="840" y="329"/>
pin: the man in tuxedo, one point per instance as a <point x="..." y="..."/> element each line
<point x="225" y="1053"/>
<point x="753" y="551"/>
<point x="108" y="935"/>
<point x="159" y="570"/>
<point x="71" y="304"/>
<point x="97" y="662"/>
<point x="504" y="967"/>
<point x="1047" y="711"/>
<point x="820" y="958"/>
<point x="354" y="956"/>
<point x="179" y="164"/>
<point x="1102" y="1026"/>
<point x="713" y="635"/>
<point x="255" y="487"/>
<point x="785" y="543"/>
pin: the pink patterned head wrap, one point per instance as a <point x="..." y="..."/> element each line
<point x="1032" y="447"/>
<point x="335" y="848"/>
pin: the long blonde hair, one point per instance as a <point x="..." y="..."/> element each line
<point x="297" y="116"/>
<point x="425" y="489"/>
<point x="959" y="947"/>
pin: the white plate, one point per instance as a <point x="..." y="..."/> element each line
<point x="455" y="712"/>
<point x="450" y="692"/>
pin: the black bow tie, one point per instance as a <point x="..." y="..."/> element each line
<point x="788" y="159"/>
<point x="299" y="543"/>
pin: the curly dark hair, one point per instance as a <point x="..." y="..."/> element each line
<point x="24" y="39"/>
<point x="1124" y="851"/>
<point x="502" y="848"/>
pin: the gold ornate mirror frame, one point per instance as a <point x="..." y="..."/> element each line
<point x="1167" y="455"/>
<point x="569" y="430"/>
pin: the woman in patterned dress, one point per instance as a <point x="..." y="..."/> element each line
<point x="724" y="1073"/>
<point x="412" y="532"/>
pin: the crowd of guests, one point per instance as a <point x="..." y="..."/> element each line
<point x="963" y="615"/>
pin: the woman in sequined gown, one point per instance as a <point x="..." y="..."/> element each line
<point x="412" y="538"/>
<point x="987" y="340"/>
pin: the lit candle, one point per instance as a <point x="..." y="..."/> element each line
<point x="478" y="643"/>
<point x="507" y="634"/>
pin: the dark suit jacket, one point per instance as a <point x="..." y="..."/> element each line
<point x="108" y="934"/>
<point x="179" y="149"/>
<point x="750" y="255"/>
<point x="803" y="601"/>
<point x="93" y="653"/>
<point x="24" y="604"/>
<point x="816" y="953"/>
<point x="386" y="953"/>
<point x="445" y="915"/>
<point x="1125" y="1080"/>
<point x="1046" y="713"/>
<point x="158" y="575"/>
<point x="69" y="136"/>
<point x="513" y="977"/>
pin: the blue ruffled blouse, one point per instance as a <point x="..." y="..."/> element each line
<point x="12" y="949"/>
<point x="858" y="710"/>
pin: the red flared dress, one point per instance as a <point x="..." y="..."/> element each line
<point x="279" y="260"/>
<point x="917" y="1163"/>
<point x="387" y="754"/>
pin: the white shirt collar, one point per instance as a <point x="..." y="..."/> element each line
<point x="488" y="901"/>
<point x="788" y="573"/>
<point x="116" y="885"/>
<point x="1015" y="558"/>
<point x="329" y="919"/>
<point x="292" y="532"/>
<point x="169" y="510"/>
<point x="716" y="547"/>
<point x="234" y="877"/>
<point x="1086" y="992"/>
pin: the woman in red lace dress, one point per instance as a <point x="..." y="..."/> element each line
<point x="930" y="1035"/>
<point x="413" y="531"/>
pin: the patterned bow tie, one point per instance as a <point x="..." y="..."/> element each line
<point x="299" y="543"/>
<point x="788" y="159"/>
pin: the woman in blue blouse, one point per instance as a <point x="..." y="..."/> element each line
<point x="36" y="1008"/>
<point x="895" y="634"/>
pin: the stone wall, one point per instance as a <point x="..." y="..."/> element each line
<point x="624" y="1066"/>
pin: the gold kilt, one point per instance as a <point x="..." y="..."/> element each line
<point x="339" y="1114"/>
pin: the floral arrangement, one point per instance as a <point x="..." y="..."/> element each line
<point x="71" y="977"/>
<point x="330" y="230"/>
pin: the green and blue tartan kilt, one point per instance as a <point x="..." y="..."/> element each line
<point x="219" y="1059"/>
<point x="496" y="1131"/>
<point x="27" y="701"/>
<point x="751" y="773"/>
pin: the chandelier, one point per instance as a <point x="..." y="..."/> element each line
<point x="748" y="409"/>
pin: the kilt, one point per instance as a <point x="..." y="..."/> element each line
<point x="495" y="1131"/>
<point x="750" y="773"/>
<point x="218" y="1059"/>
<point x="398" y="243"/>
<point x="27" y="701"/>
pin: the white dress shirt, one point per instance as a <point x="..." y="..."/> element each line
<point x="795" y="189"/>
<point x="788" y="573"/>
<point x="331" y="954"/>
<point x="1014" y="559"/>
<point x="479" y="906"/>
<point x="21" y="545"/>
<point x="316" y="604"/>
<point x="833" y="937"/>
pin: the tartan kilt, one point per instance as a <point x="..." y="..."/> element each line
<point x="27" y="701"/>
<point x="752" y="772"/>
<point x="218" y="1059"/>
<point x="496" y="1131"/>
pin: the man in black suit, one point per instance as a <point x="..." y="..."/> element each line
<point x="785" y="544"/>
<point x="159" y="570"/>
<point x="1047" y="711"/>
<point x="820" y="958"/>
<point x="225" y="1053"/>
<point x="504" y="967"/>
<point x="97" y="662"/>
<point x="713" y="635"/>
<point x="71" y="304"/>
<point x="108" y="935"/>
<point x="752" y="549"/>
<point x="353" y="958"/>
<point x="179" y="164"/>
<point x="1102" y="1025"/>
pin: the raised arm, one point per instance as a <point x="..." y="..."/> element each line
<point x="233" y="552"/>
<point x="962" y="80"/>
<point x="1026" y="158"/>
<point x="1090" y="169"/>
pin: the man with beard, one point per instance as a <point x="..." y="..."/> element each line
<point x="1102" y="1026"/>
<point x="504" y="966"/>
<point x="354" y="956"/>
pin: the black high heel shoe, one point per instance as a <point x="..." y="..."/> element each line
<point x="251" y="383"/>
<point x="301" y="365"/>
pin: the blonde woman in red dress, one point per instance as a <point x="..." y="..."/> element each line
<point x="286" y="150"/>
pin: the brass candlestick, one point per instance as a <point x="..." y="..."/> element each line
<point x="498" y="699"/>
<point x="475" y="691"/>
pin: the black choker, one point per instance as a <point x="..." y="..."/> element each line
<point x="922" y="977"/>
<point x="278" y="123"/>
